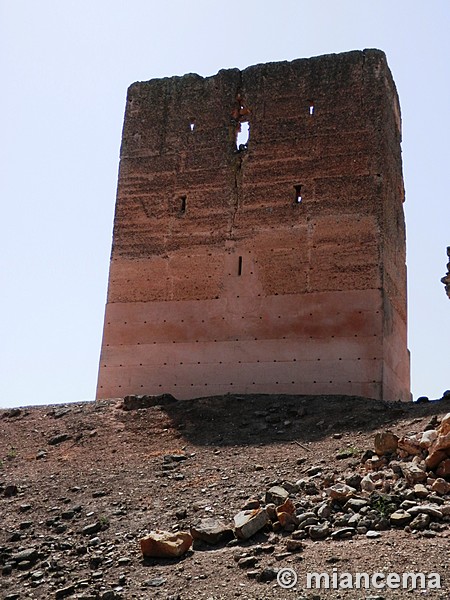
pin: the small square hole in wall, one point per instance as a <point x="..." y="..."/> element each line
<point x="298" y="193"/>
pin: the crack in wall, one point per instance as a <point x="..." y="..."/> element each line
<point x="237" y="193"/>
<point x="239" y="115"/>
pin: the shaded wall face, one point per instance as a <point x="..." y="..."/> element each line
<point x="276" y="268"/>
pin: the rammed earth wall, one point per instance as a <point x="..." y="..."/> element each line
<point x="273" y="267"/>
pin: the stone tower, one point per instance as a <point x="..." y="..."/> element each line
<point x="446" y="279"/>
<point x="273" y="265"/>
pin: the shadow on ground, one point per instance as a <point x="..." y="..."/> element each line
<point x="266" y="419"/>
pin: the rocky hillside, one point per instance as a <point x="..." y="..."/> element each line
<point x="251" y="485"/>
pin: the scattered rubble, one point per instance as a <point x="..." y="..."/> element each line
<point x="211" y="531"/>
<point x="399" y="481"/>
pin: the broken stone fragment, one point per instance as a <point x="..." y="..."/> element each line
<point x="58" y="439"/>
<point x="92" y="528"/>
<point x="340" y="491"/>
<point x="434" y="458"/>
<point x="247" y="562"/>
<point x="314" y="471"/>
<point x="343" y="533"/>
<point x="386" y="442"/>
<point x="413" y="473"/>
<point x="444" y="427"/>
<point x="164" y="544"/>
<point x="154" y="582"/>
<point x="64" y="592"/>
<point x="305" y="523"/>
<point x="420" y="522"/>
<point x="428" y="438"/>
<point x="271" y="510"/>
<point x="276" y="495"/>
<point x="294" y="545"/>
<point x="401" y="517"/>
<point x="426" y="509"/>
<point x="367" y="483"/>
<point x="356" y="504"/>
<point x="286" y="514"/>
<point x="443" y="469"/>
<point x="306" y="515"/>
<point x="290" y="487"/>
<point x="343" y="454"/>
<point x="169" y="458"/>
<point x="324" y="511"/>
<point x="211" y="531"/>
<point x="442" y="442"/>
<point x="420" y="490"/>
<point x="252" y="574"/>
<point x="440" y="486"/>
<point x="375" y="463"/>
<point x="249" y="522"/>
<point x="319" y="532"/>
<point x="267" y="574"/>
<point x="251" y="503"/>
<point x="30" y="554"/>
<point x="410" y="445"/>
<point x="308" y="486"/>
<point x="372" y="534"/>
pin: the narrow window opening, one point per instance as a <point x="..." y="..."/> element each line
<point x="192" y="124"/>
<point x="298" y="194"/>
<point x="311" y="108"/>
<point x="182" y="205"/>
<point x="242" y="136"/>
<point x="240" y="266"/>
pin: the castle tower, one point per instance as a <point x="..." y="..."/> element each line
<point x="275" y="265"/>
<point x="446" y="279"/>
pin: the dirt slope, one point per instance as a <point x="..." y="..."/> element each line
<point x="94" y="464"/>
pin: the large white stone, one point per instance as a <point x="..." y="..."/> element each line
<point x="249" y="522"/>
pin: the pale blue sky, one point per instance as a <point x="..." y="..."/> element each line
<point x="65" y="67"/>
